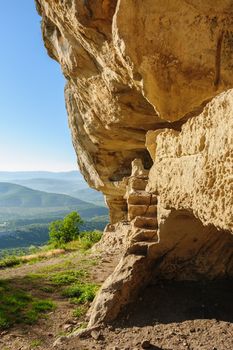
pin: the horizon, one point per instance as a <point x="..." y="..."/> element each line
<point x="40" y="171"/>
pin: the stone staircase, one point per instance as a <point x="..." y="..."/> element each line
<point x="142" y="213"/>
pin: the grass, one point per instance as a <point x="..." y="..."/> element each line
<point x="81" y="293"/>
<point x="18" y="306"/>
<point x="60" y="278"/>
<point x="72" y="284"/>
<point x="67" y="277"/>
<point x="79" y="311"/>
<point x="58" y="267"/>
<point x="23" y="301"/>
<point x="85" y="241"/>
<point x="10" y="261"/>
<point x="35" y="343"/>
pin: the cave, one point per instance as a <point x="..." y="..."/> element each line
<point x="193" y="251"/>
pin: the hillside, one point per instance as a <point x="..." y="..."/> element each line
<point x="52" y="185"/>
<point x="26" y="213"/>
<point x="71" y="183"/>
<point x="12" y="195"/>
<point x="76" y="189"/>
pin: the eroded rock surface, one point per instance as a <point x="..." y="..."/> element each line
<point x="193" y="168"/>
<point x="149" y="82"/>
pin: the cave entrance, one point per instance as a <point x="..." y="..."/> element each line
<point x="191" y="251"/>
<point x="191" y="275"/>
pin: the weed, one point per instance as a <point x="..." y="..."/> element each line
<point x="35" y="276"/>
<point x="35" y="343"/>
<point x="47" y="289"/>
<point x="81" y="293"/>
<point x="88" y="238"/>
<point x="10" y="261"/>
<point x="55" y="267"/>
<point x="79" y="311"/>
<point x="67" y="277"/>
<point x="43" y="305"/>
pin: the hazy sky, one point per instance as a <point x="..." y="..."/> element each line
<point x="34" y="133"/>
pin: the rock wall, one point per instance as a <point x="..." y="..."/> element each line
<point x="193" y="168"/>
<point x="150" y="111"/>
<point x="130" y="67"/>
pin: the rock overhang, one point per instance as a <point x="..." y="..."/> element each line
<point x="136" y="72"/>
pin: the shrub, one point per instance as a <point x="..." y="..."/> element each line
<point x="10" y="261"/>
<point x="89" y="238"/>
<point x="66" y="230"/>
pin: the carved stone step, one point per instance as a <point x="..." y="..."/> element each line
<point x="141" y="235"/>
<point x="140" y="248"/>
<point x="154" y="199"/>
<point x="141" y="197"/>
<point x="138" y="183"/>
<point x="141" y="210"/>
<point x="145" y="222"/>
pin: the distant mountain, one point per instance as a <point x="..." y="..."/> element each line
<point x="71" y="183"/>
<point x="12" y="195"/>
<point x="25" y="213"/>
<point x="90" y="195"/>
<point x="53" y="185"/>
<point x="25" y="175"/>
<point x="16" y="196"/>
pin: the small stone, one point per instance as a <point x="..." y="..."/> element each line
<point x="96" y="335"/>
<point x="59" y="341"/>
<point x="67" y="327"/>
<point x="3" y="333"/>
<point x="145" y="344"/>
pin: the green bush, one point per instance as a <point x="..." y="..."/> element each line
<point x="10" y="261"/>
<point x="89" y="238"/>
<point x="66" y="230"/>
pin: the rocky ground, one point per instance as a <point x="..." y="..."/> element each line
<point x="167" y="315"/>
<point x="171" y="316"/>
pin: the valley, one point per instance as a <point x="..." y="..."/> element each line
<point x="29" y="201"/>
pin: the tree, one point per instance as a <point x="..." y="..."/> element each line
<point x="66" y="230"/>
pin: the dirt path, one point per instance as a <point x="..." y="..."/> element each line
<point x="61" y="321"/>
<point x="166" y="316"/>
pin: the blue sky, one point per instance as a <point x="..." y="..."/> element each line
<point x="34" y="133"/>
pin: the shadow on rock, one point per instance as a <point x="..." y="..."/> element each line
<point x="169" y="301"/>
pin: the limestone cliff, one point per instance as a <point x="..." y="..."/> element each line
<point x="148" y="84"/>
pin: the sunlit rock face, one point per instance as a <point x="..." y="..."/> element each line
<point x="150" y="80"/>
<point x="130" y="66"/>
<point x="193" y="168"/>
